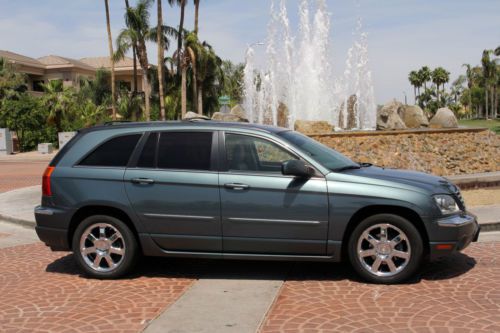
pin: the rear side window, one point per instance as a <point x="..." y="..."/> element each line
<point x="113" y="153"/>
<point x="185" y="150"/>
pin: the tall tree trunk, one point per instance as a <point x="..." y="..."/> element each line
<point x="134" y="54"/>
<point x="110" y="44"/>
<point x="486" y="101"/>
<point x="145" y="84"/>
<point x="492" y="94"/>
<point x="496" y="102"/>
<point x="183" y="90"/>
<point x="161" y="55"/>
<point x="180" y="36"/>
<point x="196" y="11"/>
<point x="200" y="99"/>
<point x="415" y="94"/>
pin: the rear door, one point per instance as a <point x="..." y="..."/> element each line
<point x="173" y="188"/>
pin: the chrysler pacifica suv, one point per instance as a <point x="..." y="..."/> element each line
<point x="241" y="191"/>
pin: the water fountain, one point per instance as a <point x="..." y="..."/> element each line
<point x="299" y="82"/>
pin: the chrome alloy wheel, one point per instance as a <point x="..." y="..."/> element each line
<point x="383" y="250"/>
<point x="102" y="247"/>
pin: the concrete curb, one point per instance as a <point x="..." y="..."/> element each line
<point x="17" y="221"/>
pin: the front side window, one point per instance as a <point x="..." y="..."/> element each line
<point x="248" y="153"/>
<point x="113" y="153"/>
<point x="185" y="150"/>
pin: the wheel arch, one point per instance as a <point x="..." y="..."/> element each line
<point x="367" y="211"/>
<point x="90" y="210"/>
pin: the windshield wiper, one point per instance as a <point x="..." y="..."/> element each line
<point x="347" y="167"/>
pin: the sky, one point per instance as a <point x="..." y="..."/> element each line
<point x="402" y="34"/>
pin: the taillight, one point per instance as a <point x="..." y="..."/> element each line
<point x="46" y="190"/>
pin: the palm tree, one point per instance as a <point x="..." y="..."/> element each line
<point x="137" y="33"/>
<point x="414" y="79"/>
<point x="469" y="74"/>
<point x="425" y="75"/>
<point x="57" y="99"/>
<point x="193" y="48"/>
<point x="110" y="45"/>
<point x="161" y="55"/>
<point x="196" y="12"/>
<point x="487" y="76"/>
<point x="182" y="4"/>
<point x="134" y="55"/>
<point x="440" y="76"/>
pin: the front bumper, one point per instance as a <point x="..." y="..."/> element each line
<point x="456" y="232"/>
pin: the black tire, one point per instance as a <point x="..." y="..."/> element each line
<point x="415" y="243"/>
<point x="126" y="261"/>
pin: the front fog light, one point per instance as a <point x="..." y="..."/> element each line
<point x="446" y="204"/>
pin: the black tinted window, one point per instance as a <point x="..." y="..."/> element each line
<point x="185" y="150"/>
<point x="115" y="152"/>
<point x="147" y="158"/>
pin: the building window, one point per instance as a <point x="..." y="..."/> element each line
<point x="38" y="85"/>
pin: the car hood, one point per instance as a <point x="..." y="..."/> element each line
<point x="425" y="181"/>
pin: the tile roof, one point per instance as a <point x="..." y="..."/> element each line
<point x="98" y="62"/>
<point x="54" y="61"/>
<point x="21" y="59"/>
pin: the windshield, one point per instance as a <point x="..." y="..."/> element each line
<point x="327" y="157"/>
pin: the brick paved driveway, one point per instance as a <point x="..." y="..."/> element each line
<point x="17" y="174"/>
<point x="457" y="294"/>
<point x="41" y="291"/>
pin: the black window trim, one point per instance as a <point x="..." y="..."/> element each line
<point x="101" y="143"/>
<point x="223" y="161"/>
<point x="214" y="154"/>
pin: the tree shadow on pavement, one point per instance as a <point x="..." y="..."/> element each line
<point x="445" y="268"/>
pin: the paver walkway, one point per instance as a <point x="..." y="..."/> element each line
<point x="42" y="291"/>
<point x="457" y="294"/>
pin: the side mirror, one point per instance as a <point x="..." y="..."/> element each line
<point x="297" y="168"/>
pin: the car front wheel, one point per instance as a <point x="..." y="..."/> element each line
<point x="385" y="248"/>
<point x="104" y="247"/>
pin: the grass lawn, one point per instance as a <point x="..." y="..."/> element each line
<point x="493" y="125"/>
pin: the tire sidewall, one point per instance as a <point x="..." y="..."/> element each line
<point x="414" y="238"/>
<point x="129" y="259"/>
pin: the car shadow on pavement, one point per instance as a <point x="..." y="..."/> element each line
<point x="446" y="268"/>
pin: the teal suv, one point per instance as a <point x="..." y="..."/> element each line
<point x="241" y="191"/>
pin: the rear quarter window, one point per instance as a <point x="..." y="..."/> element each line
<point x="115" y="152"/>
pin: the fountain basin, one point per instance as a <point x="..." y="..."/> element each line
<point x="442" y="152"/>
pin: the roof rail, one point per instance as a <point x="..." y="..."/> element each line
<point x="115" y="122"/>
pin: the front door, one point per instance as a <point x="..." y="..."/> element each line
<point x="174" y="190"/>
<point x="264" y="211"/>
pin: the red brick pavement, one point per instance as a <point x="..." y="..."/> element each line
<point x="41" y="291"/>
<point x="19" y="174"/>
<point x="456" y="294"/>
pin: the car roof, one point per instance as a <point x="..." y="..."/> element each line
<point x="207" y="124"/>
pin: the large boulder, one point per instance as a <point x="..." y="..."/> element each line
<point x="238" y="110"/>
<point x="352" y="111"/>
<point x="413" y="116"/>
<point x="444" y="118"/>
<point x="219" y="116"/>
<point x="388" y="117"/>
<point x="190" y="115"/>
<point x="282" y="115"/>
<point x="313" y="126"/>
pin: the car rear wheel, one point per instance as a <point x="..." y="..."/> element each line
<point x="104" y="247"/>
<point x="385" y="248"/>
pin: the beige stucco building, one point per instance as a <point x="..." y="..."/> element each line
<point x="53" y="67"/>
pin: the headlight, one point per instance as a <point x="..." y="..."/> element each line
<point x="446" y="204"/>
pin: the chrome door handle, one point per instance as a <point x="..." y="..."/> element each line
<point x="142" y="180"/>
<point x="237" y="186"/>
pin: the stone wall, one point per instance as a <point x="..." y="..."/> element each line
<point x="442" y="152"/>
